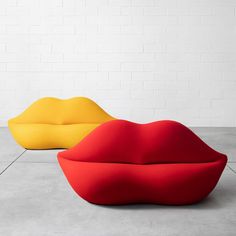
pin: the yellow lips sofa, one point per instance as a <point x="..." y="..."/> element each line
<point x="56" y="123"/>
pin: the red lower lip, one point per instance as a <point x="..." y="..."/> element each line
<point x="176" y="183"/>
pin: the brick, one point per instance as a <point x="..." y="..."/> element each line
<point x="109" y="66"/>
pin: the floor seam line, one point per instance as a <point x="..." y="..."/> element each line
<point x="231" y="169"/>
<point x="12" y="162"/>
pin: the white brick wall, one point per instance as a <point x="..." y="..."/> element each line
<point x="141" y="60"/>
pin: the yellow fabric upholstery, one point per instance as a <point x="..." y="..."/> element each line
<point x="56" y="123"/>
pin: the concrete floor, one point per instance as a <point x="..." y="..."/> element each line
<point x="35" y="199"/>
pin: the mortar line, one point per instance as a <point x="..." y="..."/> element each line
<point x="231" y="169"/>
<point x="13" y="162"/>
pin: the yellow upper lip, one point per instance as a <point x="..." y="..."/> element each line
<point x="56" y="111"/>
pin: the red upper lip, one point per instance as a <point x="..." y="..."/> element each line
<point x="121" y="141"/>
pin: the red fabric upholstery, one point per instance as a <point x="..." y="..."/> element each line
<point x="162" y="162"/>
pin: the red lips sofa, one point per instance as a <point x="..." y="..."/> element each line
<point x="122" y="162"/>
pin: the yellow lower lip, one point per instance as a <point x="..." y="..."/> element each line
<point x="48" y="136"/>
